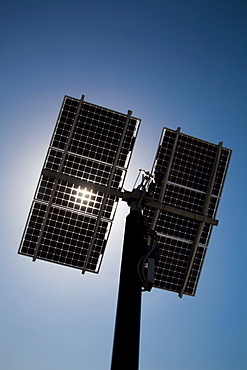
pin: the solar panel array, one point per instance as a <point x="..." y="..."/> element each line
<point x="69" y="221"/>
<point x="193" y="174"/>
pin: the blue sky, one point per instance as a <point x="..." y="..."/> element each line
<point x="173" y="63"/>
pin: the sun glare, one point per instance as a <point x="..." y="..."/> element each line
<point x="85" y="199"/>
<point x="82" y="196"/>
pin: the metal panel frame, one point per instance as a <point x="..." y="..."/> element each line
<point x="203" y="217"/>
<point x="107" y="191"/>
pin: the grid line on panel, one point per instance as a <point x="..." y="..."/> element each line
<point x="193" y="162"/>
<point x="69" y="223"/>
<point x="66" y="238"/>
<point x="100" y="144"/>
<point x="171" y="264"/>
<point x="65" y="122"/>
<point x="195" y="271"/>
<point x="183" y="198"/>
<point x="221" y="172"/>
<point x="32" y="229"/>
<point x="201" y="225"/>
<point x="62" y="237"/>
<point x="99" y="246"/>
<point x="75" y="197"/>
<point x="189" y="199"/>
<point x="128" y="143"/>
<point x="206" y="233"/>
<point x="190" y="172"/>
<point x="84" y="200"/>
<point x="84" y="168"/>
<point x="45" y="189"/>
<point x="193" y="183"/>
<point x="96" y="137"/>
<point x="53" y="159"/>
<point x="91" y="170"/>
<point x="163" y="156"/>
<point x="67" y="142"/>
<point x="213" y="205"/>
<point x="104" y="200"/>
<point x="176" y="226"/>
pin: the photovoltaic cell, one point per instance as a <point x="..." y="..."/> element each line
<point x="193" y="173"/>
<point x="63" y="240"/>
<point x="69" y="221"/>
<point x="172" y="264"/>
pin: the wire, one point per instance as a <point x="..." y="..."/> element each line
<point x="141" y="264"/>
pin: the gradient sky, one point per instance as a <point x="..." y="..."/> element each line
<point x="173" y="63"/>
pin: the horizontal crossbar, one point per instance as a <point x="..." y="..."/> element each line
<point x="127" y="195"/>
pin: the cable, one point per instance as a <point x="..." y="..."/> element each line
<point x="141" y="264"/>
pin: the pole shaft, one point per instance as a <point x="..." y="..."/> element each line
<point x="125" y="354"/>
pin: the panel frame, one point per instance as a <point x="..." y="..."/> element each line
<point x="125" y="136"/>
<point x="202" y="217"/>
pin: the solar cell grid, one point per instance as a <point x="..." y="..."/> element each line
<point x="69" y="222"/>
<point x="171" y="266"/>
<point x="171" y="263"/>
<point x="31" y="232"/>
<point x="89" y="170"/>
<point x="195" y="271"/>
<point x="183" y="198"/>
<point x="77" y="198"/>
<point x="53" y="160"/>
<point x="192" y="168"/>
<point x="213" y="205"/>
<point x="187" y="199"/>
<point x="45" y="188"/>
<point x="107" y="135"/>
<point x="191" y="183"/>
<point x="83" y="199"/>
<point x="221" y="173"/>
<point x="206" y="233"/>
<point x="100" y="144"/>
<point x="177" y="226"/>
<point x="65" y="238"/>
<point x="65" y="122"/>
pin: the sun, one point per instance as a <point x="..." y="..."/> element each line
<point x="84" y="199"/>
<point x="83" y="195"/>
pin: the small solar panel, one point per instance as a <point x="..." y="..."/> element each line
<point x="70" y="217"/>
<point x="193" y="173"/>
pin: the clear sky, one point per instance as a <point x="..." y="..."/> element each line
<point x="173" y="63"/>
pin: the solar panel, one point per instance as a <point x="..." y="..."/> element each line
<point x="193" y="173"/>
<point x="75" y="203"/>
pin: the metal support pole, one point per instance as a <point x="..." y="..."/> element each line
<point x="125" y="353"/>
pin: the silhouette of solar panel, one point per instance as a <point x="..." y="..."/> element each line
<point x="193" y="173"/>
<point x="73" y="207"/>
